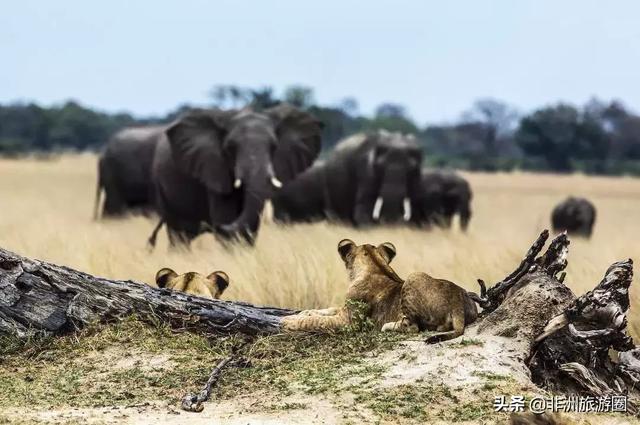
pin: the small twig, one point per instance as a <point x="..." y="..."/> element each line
<point x="193" y="402"/>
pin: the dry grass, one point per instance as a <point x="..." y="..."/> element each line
<point x="46" y="212"/>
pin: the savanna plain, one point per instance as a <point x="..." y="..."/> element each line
<point x="46" y="212"/>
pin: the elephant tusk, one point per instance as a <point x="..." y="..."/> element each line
<point x="406" y="204"/>
<point x="237" y="183"/>
<point x="276" y="183"/>
<point x="377" y="207"/>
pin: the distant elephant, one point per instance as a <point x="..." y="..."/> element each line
<point x="213" y="170"/>
<point x="124" y="172"/>
<point x="445" y="194"/>
<point x="575" y="215"/>
<point x="367" y="179"/>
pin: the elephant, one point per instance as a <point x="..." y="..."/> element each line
<point x="369" y="178"/>
<point x="214" y="169"/>
<point x="445" y="194"/>
<point x="124" y="172"/>
<point x="575" y="215"/>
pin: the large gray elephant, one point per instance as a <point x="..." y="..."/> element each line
<point x="368" y="178"/>
<point x="445" y="194"/>
<point x="575" y="215"/>
<point x="214" y="169"/>
<point x="124" y="172"/>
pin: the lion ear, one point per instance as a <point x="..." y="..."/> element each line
<point x="344" y="248"/>
<point x="387" y="250"/>
<point x="220" y="279"/>
<point x="164" y="276"/>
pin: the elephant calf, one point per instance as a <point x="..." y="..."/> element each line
<point x="445" y="194"/>
<point x="575" y="215"/>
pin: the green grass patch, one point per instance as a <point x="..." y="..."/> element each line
<point x="490" y="376"/>
<point x="407" y="401"/>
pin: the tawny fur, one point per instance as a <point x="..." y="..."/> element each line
<point x="419" y="303"/>
<point x="193" y="283"/>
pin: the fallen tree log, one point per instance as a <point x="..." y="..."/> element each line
<point x="36" y="296"/>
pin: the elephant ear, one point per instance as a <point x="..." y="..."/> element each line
<point x="299" y="140"/>
<point x="196" y="144"/>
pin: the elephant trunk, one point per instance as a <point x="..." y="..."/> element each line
<point x="246" y="225"/>
<point x="465" y="216"/>
<point x="256" y="184"/>
<point x="393" y="202"/>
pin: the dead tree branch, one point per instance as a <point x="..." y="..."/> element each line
<point x="552" y="262"/>
<point x="193" y="402"/>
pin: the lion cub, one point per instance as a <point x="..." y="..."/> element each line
<point x="211" y="286"/>
<point x="417" y="304"/>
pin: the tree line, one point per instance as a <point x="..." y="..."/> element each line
<point x="597" y="138"/>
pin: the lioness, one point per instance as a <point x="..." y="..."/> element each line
<point x="211" y="286"/>
<point x="417" y="304"/>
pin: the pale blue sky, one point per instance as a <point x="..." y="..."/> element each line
<point x="435" y="57"/>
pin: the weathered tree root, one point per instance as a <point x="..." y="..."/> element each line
<point x="573" y="353"/>
<point x="39" y="297"/>
<point x="570" y="352"/>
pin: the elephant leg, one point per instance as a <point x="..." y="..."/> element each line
<point x="179" y="238"/>
<point x="465" y="216"/>
<point x="440" y="220"/>
<point x="114" y="204"/>
<point x="362" y="215"/>
<point x="151" y="242"/>
<point x="447" y="220"/>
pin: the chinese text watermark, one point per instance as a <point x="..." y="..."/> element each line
<point x="559" y="403"/>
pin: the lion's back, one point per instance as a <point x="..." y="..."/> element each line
<point x="428" y="300"/>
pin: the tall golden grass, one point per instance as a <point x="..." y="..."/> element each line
<point x="46" y="213"/>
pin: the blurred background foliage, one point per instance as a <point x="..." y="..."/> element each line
<point x="601" y="137"/>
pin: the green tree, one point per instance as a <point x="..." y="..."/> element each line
<point x="560" y="134"/>
<point x="262" y="98"/>
<point x="299" y="96"/>
<point x="392" y="117"/>
<point x="229" y="96"/>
